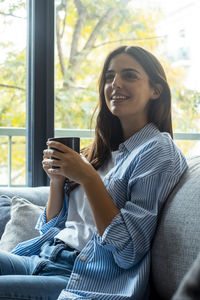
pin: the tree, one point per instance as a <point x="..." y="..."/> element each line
<point x="12" y="88"/>
<point x="85" y="32"/>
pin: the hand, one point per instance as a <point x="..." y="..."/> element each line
<point x="70" y="164"/>
<point x="47" y="165"/>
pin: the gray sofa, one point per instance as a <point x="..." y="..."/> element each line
<point x="174" y="248"/>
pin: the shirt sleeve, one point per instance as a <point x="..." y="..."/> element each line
<point x="130" y="233"/>
<point x="59" y="221"/>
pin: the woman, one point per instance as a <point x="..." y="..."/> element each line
<point x="96" y="243"/>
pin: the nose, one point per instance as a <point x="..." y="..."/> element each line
<point x="117" y="82"/>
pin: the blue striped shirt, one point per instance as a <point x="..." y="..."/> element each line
<point x="116" y="265"/>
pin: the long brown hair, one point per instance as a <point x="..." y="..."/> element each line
<point x="108" y="130"/>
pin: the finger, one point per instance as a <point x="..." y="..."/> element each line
<point x="58" y="146"/>
<point x="46" y="154"/>
<point x="46" y="167"/>
<point x="54" y="171"/>
<point x="49" y="153"/>
<point x="52" y="163"/>
<point x="47" y="162"/>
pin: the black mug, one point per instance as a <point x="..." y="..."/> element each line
<point x="71" y="142"/>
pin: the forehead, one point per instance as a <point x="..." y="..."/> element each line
<point x="124" y="61"/>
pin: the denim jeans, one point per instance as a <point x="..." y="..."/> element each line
<point x="38" y="277"/>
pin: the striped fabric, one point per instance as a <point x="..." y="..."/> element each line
<point x="116" y="265"/>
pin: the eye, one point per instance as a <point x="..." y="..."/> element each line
<point x="109" y="77"/>
<point x="130" y="75"/>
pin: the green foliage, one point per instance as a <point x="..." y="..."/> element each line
<point x="186" y="110"/>
<point x="85" y="34"/>
<point x="13" y="7"/>
<point x="13" y="102"/>
<point x="76" y="90"/>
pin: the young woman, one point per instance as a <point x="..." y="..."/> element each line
<point x="97" y="227"/>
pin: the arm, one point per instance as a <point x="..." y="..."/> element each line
<point x="125" y="228"/>
<point x="140" y="194"/>
<point x="71" y="165"/>
<point x="130" y="233"/>
<point x="101" y="203"/>
<point x="55" y="201"/>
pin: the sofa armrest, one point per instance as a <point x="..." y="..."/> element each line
<point x="176" y="242"/>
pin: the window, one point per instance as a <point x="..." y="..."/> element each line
<point x="13" y="90"/>
<point x="180" y="24"/>
<point x="38" y="74"/>
<point x="85" y="31"/>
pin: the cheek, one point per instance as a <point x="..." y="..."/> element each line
<point x="107" y="96"/>
<point x="107" y="91"/>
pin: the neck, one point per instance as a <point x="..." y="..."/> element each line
<point x="128" y="130"/>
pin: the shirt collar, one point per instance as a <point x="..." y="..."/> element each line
<point x="140" y="137"/>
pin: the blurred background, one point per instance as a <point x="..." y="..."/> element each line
<point x="83" y="33"/>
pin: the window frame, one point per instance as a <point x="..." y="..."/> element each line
<point x="40" y="87"/>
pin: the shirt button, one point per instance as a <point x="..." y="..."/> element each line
<point x="76" y="278"/>
<point x="83" y="258"/>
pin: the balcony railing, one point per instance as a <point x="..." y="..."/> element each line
<point x="82" y="133"/>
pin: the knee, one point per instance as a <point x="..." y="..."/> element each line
<point x="10" y="264"/>
<point x="3" y="260"/>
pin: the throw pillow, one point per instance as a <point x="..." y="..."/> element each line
<point x="21" y="227"/>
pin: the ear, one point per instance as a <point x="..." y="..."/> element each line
<point x="157" y="90"/>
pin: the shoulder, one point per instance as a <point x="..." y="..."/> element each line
<point x="149" y="140"/>
<point x="160" y="154"/>
<point x="159" y="145"/>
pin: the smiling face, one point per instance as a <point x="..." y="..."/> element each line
<point x="127" y="92"/>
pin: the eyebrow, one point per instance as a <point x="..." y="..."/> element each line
<point x="124" y="70"/>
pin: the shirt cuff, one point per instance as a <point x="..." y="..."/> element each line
<point x="59" y="221"/>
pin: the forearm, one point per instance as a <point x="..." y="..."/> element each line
<point x="55" y="200"/>
<point x="73" y="166"/>
<point x="102" y="205"/>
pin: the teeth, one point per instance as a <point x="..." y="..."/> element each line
<point x="119" y="97"/>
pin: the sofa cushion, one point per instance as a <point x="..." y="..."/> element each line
<point x="21" y="226"/>
<point x="5" y="203"/>
<point x="177" y="240"/>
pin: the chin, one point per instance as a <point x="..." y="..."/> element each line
<point x="116" y="114"/>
